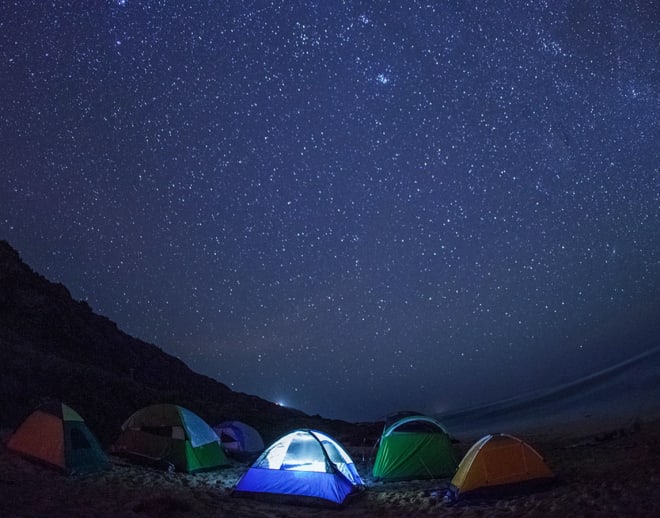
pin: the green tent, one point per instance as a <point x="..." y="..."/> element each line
<point x="170" y="435"/>
<point x="56" y="435"/>
<point x="414" y="447"/>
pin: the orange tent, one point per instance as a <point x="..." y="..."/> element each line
<point x="56" y="435"/>
<point x="497" y="460"/>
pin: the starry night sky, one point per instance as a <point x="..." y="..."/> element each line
<point x="350" y="208"/>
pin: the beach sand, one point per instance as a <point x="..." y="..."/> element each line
<point x="614" y="473"/>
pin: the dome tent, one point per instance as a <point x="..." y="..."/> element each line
<point x="171" y="434"/>
<point x="414" y="447"/>
<point x="304" y="466"/>
<point x="56" y="435"/>
<point x="495" y="461"/>
<point x="239" y="440"/>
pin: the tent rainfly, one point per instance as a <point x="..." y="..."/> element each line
<point x="56" y="435"/>
<point x="304" y="466"/>
<point x="496" y="461"/>
<point x="414" y="447"/>
<point x="171" y="434"/>
<point x="239" y="440"/>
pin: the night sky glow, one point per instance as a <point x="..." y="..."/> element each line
<point x="350" y="208"/>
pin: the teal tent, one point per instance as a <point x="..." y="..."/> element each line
<point x="414" y="447"/>
<point x="55" y="435"/>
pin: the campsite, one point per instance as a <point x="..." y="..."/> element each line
<point x="330" y="259"/>
<point x="97" y="423"/>
<point x="614" y="474"/>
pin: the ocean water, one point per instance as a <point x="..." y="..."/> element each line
<point x="613" y="398"/>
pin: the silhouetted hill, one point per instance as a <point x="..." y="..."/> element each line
<point x="52" y="346"/>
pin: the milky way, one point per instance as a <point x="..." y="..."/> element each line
<point x="349" y="208"/>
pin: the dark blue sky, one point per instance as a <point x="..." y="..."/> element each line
<point x="348" y="207"/>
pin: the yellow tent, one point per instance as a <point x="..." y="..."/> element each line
<point x="497" y="460"/>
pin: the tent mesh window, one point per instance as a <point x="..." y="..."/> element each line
<point x="78" y="440"/>
<point x="418" y="427"/>
<point x="161" y="431"/>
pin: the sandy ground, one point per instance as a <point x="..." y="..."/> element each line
<point x="609" y="474"/>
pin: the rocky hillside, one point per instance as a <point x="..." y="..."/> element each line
<point x="52" y="346"/>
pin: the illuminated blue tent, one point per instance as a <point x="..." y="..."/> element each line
<point x="302" y="466"/>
